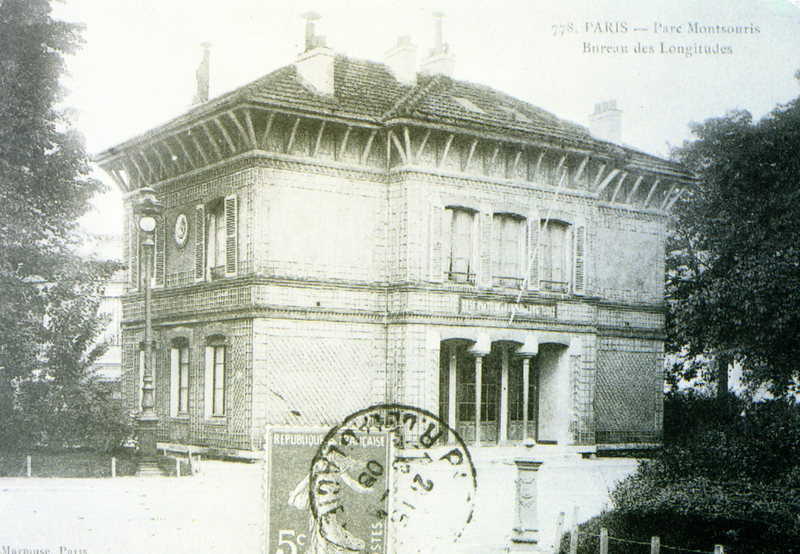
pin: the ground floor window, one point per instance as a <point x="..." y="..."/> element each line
<point x="215" y="380"/>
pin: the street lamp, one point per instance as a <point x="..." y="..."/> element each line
<point x="147" y="208"/>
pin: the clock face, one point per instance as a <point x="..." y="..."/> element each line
<point x="181" y="230"/>
<point x="421" y="500"/>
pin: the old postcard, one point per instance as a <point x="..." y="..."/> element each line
<point x="393" y="271"/>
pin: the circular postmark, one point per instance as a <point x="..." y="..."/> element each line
<point x="390" y="473"/>
<point x="181" y="230"/>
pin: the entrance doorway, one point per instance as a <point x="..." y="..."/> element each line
<point x="518" y="397"/>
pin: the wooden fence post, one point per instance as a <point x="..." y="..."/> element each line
<point x="655" y="545"/>
<point x="559" y="530"/>
<point x="113" y="467"/>
<point x="573" y="535"/>
<point x="603" y="540"/>
<point x="28" y="464"/>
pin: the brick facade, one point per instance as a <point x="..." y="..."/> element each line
<point x="339" y="260"/>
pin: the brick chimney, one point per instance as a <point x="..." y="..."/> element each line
<point x="606" y="122"/>
<point x="440" y="60"/>
<point x="402" y="61"/>
<point x="315" y="64"/>
<point x="202" y="76"/>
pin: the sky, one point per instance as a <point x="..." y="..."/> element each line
<point x="666" y="63"/>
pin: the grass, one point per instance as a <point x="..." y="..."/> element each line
<point x="79" y="463"/>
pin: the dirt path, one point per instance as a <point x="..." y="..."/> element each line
<point x="219" y="510"/>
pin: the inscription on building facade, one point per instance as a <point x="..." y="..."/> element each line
<point x="499" y="308"/>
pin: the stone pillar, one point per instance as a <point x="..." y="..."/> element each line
<point x="526" y="382"/>
<point x="527" y="351"/>
<point x="526" y="528"/>
<point x="478" y="386"/>
<point x="451" y="384"/>
<point x="503" y="432"/>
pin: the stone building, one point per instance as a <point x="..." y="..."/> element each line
<point x="341" y="233"/>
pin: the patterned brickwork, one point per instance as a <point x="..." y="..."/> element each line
<point x="628" y="390"/>
<point x="626" y="318"/>
<point x="314" y="375"/>
<point x="581" y="425"/>
<point x="629" y="260"/>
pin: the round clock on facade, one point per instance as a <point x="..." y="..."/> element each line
<point x="181" y="230"/>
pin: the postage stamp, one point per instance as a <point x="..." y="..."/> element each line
<point x="388" y="479"/>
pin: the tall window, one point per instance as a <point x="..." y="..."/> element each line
<point x="554" y="264"/>
<point x="215" y="380"/>
<point x="216" y="239"/>
<point x="508" y="250"/>
<point x="459" y="225"/>
<point x="179" y="377"/>
<point x="218" y="401"/>
<point x="183" y="380"/>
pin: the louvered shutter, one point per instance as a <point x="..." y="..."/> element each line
<point x="160" y="252"/>
<point x="579" y="259"/>
<point x="230" y="235"/>
<point x="485" y="278"/>
<point x="134" y="250"/>
<point x="208" y="400"/>
<point x="199" y="243"/>
<point x="174" y="368"/>
<point x="534" y="250"/>
<point x="437" y="244"/>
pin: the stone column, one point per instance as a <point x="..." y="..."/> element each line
<point x="503" y="432"/>
<point x="478" y="386"/>
<point x="526" y="382"/>
<point x="451" y="385"/>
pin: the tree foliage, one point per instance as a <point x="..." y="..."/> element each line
<point x="733" y="282"/>
<point x="48" y="322"/>
<point x="729" y="478"/>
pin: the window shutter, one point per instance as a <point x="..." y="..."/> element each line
<point x="160" y="249"/>
<point x="437" y="244"/>
<point x="534" y="250"/>
<point x="485" y="279"/>
<point x="579" y="270"/>
<point x="134" y="255"/>
<point x="208" y="398"/>
<point x="230" y="235"/>
<point x="174" y="368"/>
<point x="199" y="243"/>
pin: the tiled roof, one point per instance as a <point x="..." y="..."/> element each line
<point x="362" y="89"/>
<point x="446" y="100"/>
<point x="368" y="91"/>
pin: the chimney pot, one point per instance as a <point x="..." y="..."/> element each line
<point x="606" y="122"/>
<point x="315" y="64"/>
<point x="440" y="60"/>
<point x="202" y="75"/>
<point x="402" y="61"/>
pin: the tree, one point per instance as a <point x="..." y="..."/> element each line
<point x="733" y="282"/>
<point x="48" y="322"/>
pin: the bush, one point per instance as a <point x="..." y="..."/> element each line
<point x="729" y="477"/>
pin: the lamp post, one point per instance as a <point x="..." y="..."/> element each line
<point x="147" y="208"/>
